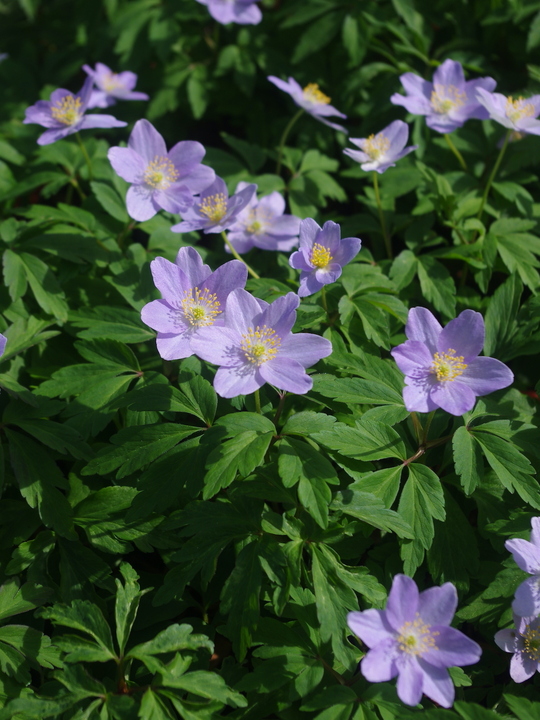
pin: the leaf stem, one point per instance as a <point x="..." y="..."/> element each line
<point x="456" y="152"/>
<point x="493" y="174"/>
<point x="284" y="137"/>
<point x="386" y="237"/>
<point x="238" y="257"/>
<point x="323" y="300"/>
<point x="86" y="155"/>
<point x="280" y="406"/>
<point x="257" y="399"/>
<point x="417" y="426"/>
<point x="426" y="429"/>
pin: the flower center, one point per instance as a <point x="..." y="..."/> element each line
<point x="67" y="110"/>
<point x="110" y="82"/>
<point x="260" y="344"/>
<point x="376" y="146"/>
<point x="214" y="206"/>
<point x="445" y="98"/>
<point x="517" y="109"/>
<point x="160" y="173"/>
<point x="416" y="638"/>
<point x="314" y="95"/>
<point x="531" y="639"/>
<point x="320" y="256"/>
<point x="200" y="307"/>
<point x="447" y="366"/>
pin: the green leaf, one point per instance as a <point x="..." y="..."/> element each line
<point x="384" y="484"/>
<point x="15" y="600"/>
<point x="501" y="314"/>
<point x="467" y="459"/>
<point x="205" y="684"/>
<point x="437" y="285"/>
<point x="369" y="440"/>
<point x="45" y="287"/>
<point x="110" y="201"/>
<point x="173" y="639"/>
<point x="86" y="617"/>
<point x="128" y="597"/>
<point x="371" y="510"/>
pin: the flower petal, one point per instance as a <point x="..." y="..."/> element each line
<point x="412" y="356"/>
<point x="228" y="277"/>
<point x="128" y="164"/>
<point x="219" y="346"/>
<point x="173" y="347"/>
<point x="410" y="682"/>
<point x="370" y="626"/>
<point x="416" y="396"/>
<point x="522" y="667"/>
<point x="140" y="203"/>
<point x="422" y="325"/>
<point x="309" y="231"/>
<point x="146" y="141"/>
<point x="169" y="279"/>
<point x="437" y="605"/>
<point x="527" y="597"/>
<point x="306" y="348"/>
<point x="507" y="640"/>
<point x="437" y="684"/>
<point x="453" y="396"/>
<point x="485" y="375"/>
<point x="191" y="264"/>
<point x="286" y="374"/>
<point x="379" y="665"/>
<point x="452" y="648"/>
<point x="402" y="604"/>
<point x="242" y="311"/>
<point x="348" y="249"/>
<point x="525" y="554"/>
<point x="465" y="334"/>
<point x="100" y="121"/>
<point x="281" y="314"/>
<point x="234" y="381"/>
<point x="160" y="316"/>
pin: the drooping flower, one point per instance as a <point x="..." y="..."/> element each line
<point x="255" y="346"/>
<point x="412" y="639"/>
<point x="243" y="12"/>
<point x="524" y="642"/>
<point x="442" y="367"/>
<point x="160" y="179"/>
<point x="518" y="115"/>
<point x="321" y="255"/>
<point x="311" y="99"/>
<point x="449" y="101"/>
<point x="262" y="223"/>
<point x="193" y="298"/>
<point x="527" y="556"/>
<point x="112" y="86"/>
<point x="381" y="151"/>
<point x="64" y="114"/>
<point x="214" y="211"/>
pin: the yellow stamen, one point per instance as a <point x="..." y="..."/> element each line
<point x="260" y="344"/>
<point x="67" y="110"/>
<point x="320" y="256"/>
<point x="531" y="639"/>
<point x="255" y="228"/>
<point x="200" y="308"/>
<point x="447" y="366"/>
<point x="445" y="98"/>
<point x="416" y="638"/>
<point x="314" y="95"/>
<point x="214" y="206"/>
<point x="160" y="173"/>
<point x="376" y="145"/>
<point x="110" y="82"/>
<point x="518" y="109"/>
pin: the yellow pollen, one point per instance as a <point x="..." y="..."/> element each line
<point x="416" y="638"/>
<point x="67" y="110"/>
<point x="314" y="95"/>
<point x="214" y="206"/>
<point x="255" y="228"/>
<point x="320" y="256"/>
<point x="160" y="173"/>
<point x="376" y="145"/>
<point x="445" y="98"/>
<point x="200" y="308"/>
<point x="260" y="344"/>
<point x="520" y="108"/>
<point x="531" y="639"/>
<point x="110" y="82"/>
<point x="448" y="365"/>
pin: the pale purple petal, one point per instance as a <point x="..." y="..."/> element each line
<point x="160" y="316"/>
<point x="522" y="667"/>
<point x="126" y="163"/>
<point x="465" y="335"/>
<point x="3" y="341"/>
<point x="527" y="597"/>
<point x="140" y="204"/>
<point x="273" y="205"/>
<point x="410" y="682"/>
<point x="452" y="647"/>
<point x="50" y="136"/>
<point x="453" y="396"/>
<point x="306" y="348"/>
<point x="449" y="72"/>
<point x="146" y="141"/>
<point x="231" y="382"/>
<point x="371" y="627"/>
<point x="175" y="199"/>
<point x="417" y="398"/>
<point x="329" y="274"/>
<point x="348" y="249"/>
<point x="379" y="665"/>
<point x="191" y="264"/>
<point x="412" y="356"/>
<point x="309" y="230"/>
<point x="286" y="225"/>
<point x="309" y="285"/>
<point x="298" y="261"/>
<point x="228" y="277"/>
<point x="173" y="347"/>
<point x="402" y="604"/>
<point x="485" y="375"/>
<point x="219" y="346"/>
<point x="186" y="155"/>
<point x="526" y="555"/>
<point x="437" y="605"/>
<point x="100" y="121"/>
<point x="535" y="530"/>
<point x="422" y="326"/>
<point x="242" y="311"/>
<point x="199" y="178"/>
<point x="437" y="684"/>
<point x="281" y="314"/>
<point x="507" y="640"/>
<point x="286" y="374"/>
<point x="169" y="279"/>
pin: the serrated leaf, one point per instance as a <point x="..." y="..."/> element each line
<point x="371" y="510"/>
<point x="86" y="617"/>
<point x="467" y="459"/>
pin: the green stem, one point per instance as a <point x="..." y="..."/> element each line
<point x="238" y="257"/>
<point x="257" y="398"/>
<point x="426" y="429"/>
<point x="493" y="174"/>
<point x="456" y="152"/>
<point x="386" y="238"/>
<point x="417" y="426"/>
<point x="280" y="406"/>
<point x="284" y="137"/>
<point x="86" y="155"/>
<point x="323" y="299"/>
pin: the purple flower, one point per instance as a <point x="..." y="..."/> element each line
<point x="311" y="99"/>
<point x="261" y="223"/>
<point x="381" y="151"/>
<point x="193" y="298"/>
<point x="214" y="211"/>
<point x="321" y="255"/>
<point x="243" y="12"/>
<point x="519" y="115"/>
<point x="413" y="639"/>
<point x="527" y="556"/>
<point x="112" y="86"/>
<point x="524" y="642"/>
<point x="442" y="367"/>
<point x="255" y="346"/>
<point x="64" y="114"/>
<point x="3" y="341"/>
<point x="160" y="179"/>
<point x="449" y="101"/>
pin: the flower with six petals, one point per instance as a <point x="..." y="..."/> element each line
<point x="517" y="114"/>
<point x="524" y="642"/>
<point x="381" y="151"/>
<point x="112" y="86"/>
<point x="310" y="99"/>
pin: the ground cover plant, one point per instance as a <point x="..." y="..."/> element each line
<point x="269" y="327"/>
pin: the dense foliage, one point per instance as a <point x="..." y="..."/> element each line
<point x="173" y="553"/>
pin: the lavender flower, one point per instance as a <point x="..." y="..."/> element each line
<point x="243" y="12"/>
<point x="112" y="86"/>
<point x="160" y="179"/>
<point x="381" y="151"/>
<point x="193" y="298"/>
<point x="449" y="101"/>
<point x="215" y="211"/>
<point x="256" y="346"/>
<point x="261" y="223"/>
<point x="442" y="367"/>
<point x="310" y="99"/>
<point x="524" y="642"/>
<point x="3" y="56"/>
<point x="64" y="114"/>
<point x="518" y="115"/>
<point x="321" y="255"/>
<point x="3" y="341"/>
<point x="413" y="639"/>
<point x="527" y="555"/>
